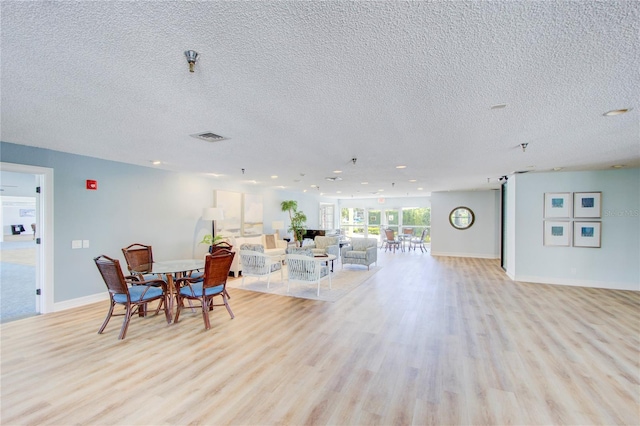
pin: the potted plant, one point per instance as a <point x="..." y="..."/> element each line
<point x="298" y="219"/>
<point x="210" y="240"/>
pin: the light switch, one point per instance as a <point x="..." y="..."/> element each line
<point x="76" y="244"/>
<point x="85" y="243"/>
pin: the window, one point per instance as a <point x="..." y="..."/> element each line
<point x="352" y="222"/>
<point x="418" y="218"/>
<point x="327" y="216"/>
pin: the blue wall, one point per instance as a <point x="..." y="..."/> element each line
<point x="615" y="265"/>
<point x="132" y="204"/>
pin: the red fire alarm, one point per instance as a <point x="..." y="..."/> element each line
<point x="92" y="184"/>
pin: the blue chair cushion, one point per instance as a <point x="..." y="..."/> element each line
<point x="195" y="275"/>
<point x="135" y="293"/>
<point x="195" y="290"/>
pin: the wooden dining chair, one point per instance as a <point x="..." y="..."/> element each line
<point x="137" y="255"/>
<point x="129" y="292"/>
<point x="212" y="284"/>
<point x="392" y="243"/>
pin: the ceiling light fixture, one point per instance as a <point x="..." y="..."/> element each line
<point x="156" y="162"/>
<point x="274" y="177"/>
<point x="616" y="112"/>
<point x="524" y="146"/>
<point x="618" y="166"/>
<point x="192" y="56"/>
<point x="337" y="171"/>
<point x="353" y="160"/>
<point x="557" y="169"/>
<point x="401" y="167"/>
<point x="208" y="137"/>
<point x="498" y="106"/>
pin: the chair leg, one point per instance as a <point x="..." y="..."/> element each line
<point x="106" y="320"/>
<point x="125" y="325"/>
<point x="226" y="305"/>
<point x="205" y="313"/>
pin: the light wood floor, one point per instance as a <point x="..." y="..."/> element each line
<point x="427" y="340"/>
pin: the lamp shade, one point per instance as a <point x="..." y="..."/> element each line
<point x="212" y="213"/>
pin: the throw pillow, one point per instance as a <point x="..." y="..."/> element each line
<point x="270" y="241"/>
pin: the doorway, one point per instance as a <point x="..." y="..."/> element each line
<point x="27" y="241"/>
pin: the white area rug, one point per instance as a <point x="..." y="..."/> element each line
<point x="342" y="282"/>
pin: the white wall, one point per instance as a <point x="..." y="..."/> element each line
<point x="481" y="240"/>
<point x="615" y="265"/>
<point x="11" y="208"/>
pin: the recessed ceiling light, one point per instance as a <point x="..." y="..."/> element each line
<point x="156" y="162"/>
<point x="618" y="166"/>
<point x="337" y="171"/>
<point x="365" y="183"/>
<point x="338" y="192"/>
<point x="419" y="189"/>
<point x="555" y="169"/>
<point x="274" y="176"/>
<point x="401" y="167"/>
<point x="616" y="112"/>
<point x="498" y="106"/>
<point x="413" y="180"/>
<point x="380" y="190"/>
<point x="314" y="186"/>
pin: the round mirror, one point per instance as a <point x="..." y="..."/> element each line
<point x="461" y="218"/>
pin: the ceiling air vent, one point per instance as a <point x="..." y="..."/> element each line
<point x="209" y="137"/>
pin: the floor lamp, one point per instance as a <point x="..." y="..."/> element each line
<point x="212" y="214"/>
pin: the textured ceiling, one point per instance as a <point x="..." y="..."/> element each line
<point x="301" y="88"/>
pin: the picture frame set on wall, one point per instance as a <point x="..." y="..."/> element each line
<point x="557" y="233"/>
<point x="568" y="206"/>
<point x="587" y="234"/>
<point x="587" y="205"/>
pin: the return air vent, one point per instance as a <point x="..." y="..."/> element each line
<point x="209" y="137"/>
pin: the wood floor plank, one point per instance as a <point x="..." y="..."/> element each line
<point x="425" y="340"/>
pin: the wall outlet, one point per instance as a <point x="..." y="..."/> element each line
<point x="76" y="244"/>
<point x="85" y="243"/>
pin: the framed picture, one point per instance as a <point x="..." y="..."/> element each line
<point x="231" y="205"/>
<point x="252" y="215"/>
<point x="587" y="204"/>
<point x="557" y="204"/>
<point x="586" y="234"/>
<point x="557" y="233"/>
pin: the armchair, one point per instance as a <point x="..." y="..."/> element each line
<point x="325" y="245"/>
<point x="255" y="263"/>
<point x="362" y="251"/>
<point x="304" y="268"/>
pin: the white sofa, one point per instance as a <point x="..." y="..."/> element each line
<point x="278" y="248"/>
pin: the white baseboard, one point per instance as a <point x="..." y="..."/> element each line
<point x="81" y="301"/>
<point x="579" y="283"/>
<point x="476" y="255"/>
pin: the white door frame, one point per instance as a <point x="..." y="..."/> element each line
<point x="44" y="231"/>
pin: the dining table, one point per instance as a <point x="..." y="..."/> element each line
<point x="170" y="270"/>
